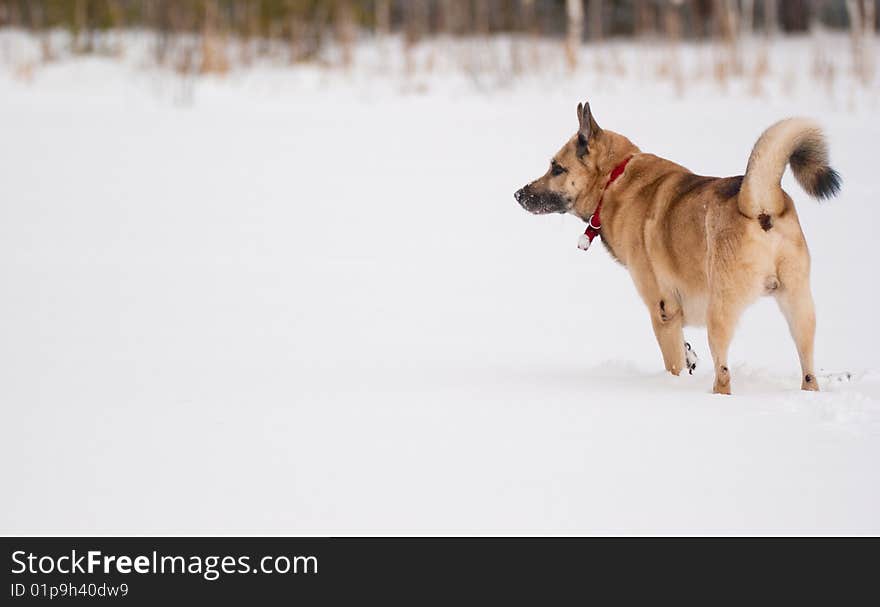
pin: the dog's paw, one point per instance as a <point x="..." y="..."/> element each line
<point x="690" y="358"/>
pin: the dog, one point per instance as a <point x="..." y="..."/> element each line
<point x="699" y="249"/>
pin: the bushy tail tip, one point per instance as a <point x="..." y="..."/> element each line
<point x="809" y="163"/>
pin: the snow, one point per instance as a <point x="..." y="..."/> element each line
<point x="305" y="302"/>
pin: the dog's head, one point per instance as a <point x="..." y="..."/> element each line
<point x="571" y="184"/>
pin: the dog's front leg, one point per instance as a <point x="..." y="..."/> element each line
<point x="667" y="322"/>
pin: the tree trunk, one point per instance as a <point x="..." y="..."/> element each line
<point x="673" y="27"/>
<point x="574" y="12"/>
<point x="854" y="15"/>
<point x="595" y="19"/>
<point x="870" y="17"/>
<point x="771" y="17"/>
<point x="527" y="16"/>
<point x="856" y="30"/>
<point x="747" y="19"/>
<point x="481" y="17"/>
<point x="815" y="12"/>
<point x="214" y="59"/>
<point x="383" y="17"/>
<point x="862" y="26"/>
<point x="416" y="20"/>
<point x="345" y="31"/>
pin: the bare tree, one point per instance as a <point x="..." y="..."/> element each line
<point x="870" y="18"/>
<point x="481" y="17"/>
<point x="383" y="17"/>
<point x="815" y="14"/>
<point x="856" y="28"/>
<point x="862" y="17"/>
<point x="771" y="18"/>
<point x="214" y="59"/>
<point x="574" y="12"/>
<point x="870" y="34"/>
<point x="595" y="19"/>
<point x="747" y="17"/>
<point x="527" y="24"/>
<point x="84" y="41"/>
<point x="673" y="27"/>
<point x="416" y="15"/>
<point x="455" y="16"/>
<point x="527" y="15"/>
<point x="345" y="30"/>
<point x="727" y="30"/>
<point x="645" y="18"/>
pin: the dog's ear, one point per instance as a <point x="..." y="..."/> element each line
<point x="587" y="129"/>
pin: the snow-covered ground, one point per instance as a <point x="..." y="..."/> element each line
<point x="306" y="302"/>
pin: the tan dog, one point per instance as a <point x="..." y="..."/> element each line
<point x="699" y="249"/>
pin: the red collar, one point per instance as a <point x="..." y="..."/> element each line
<point x="594" y="223"/>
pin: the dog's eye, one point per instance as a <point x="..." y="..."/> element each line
<point x="556" y="169"/>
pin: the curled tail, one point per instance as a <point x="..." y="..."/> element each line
<point x="798" y="142"/>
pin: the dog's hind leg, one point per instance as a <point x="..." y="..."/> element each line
<point x="722" y="317"/>
<point x="733" y="286"/>
<point x="797" y="306"/>
<point x="796" y="303"/>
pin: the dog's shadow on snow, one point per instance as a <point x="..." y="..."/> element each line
<point x="626" y="376"/>
<point x="608" y="375"/>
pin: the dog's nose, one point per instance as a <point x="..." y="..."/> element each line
<point x="518" y="194"/>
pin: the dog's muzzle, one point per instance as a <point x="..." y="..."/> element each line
<point x="540" y="204"/>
